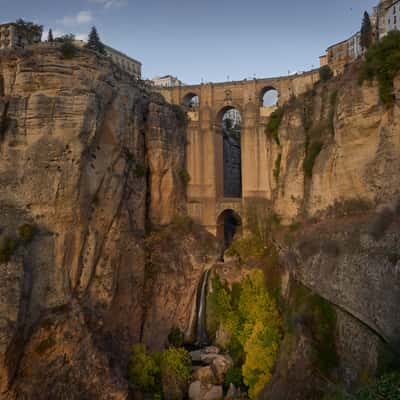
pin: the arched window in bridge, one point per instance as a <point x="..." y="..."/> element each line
<point x="269" y="97"/>
<point x="191" y="100"/>
<point x="232" y="165"/>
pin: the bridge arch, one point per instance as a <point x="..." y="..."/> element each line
<point x="269" y="97"/>
<point x="229" y="227"/>
<point x="191" y="100"/>
<point x="228" y="152"/>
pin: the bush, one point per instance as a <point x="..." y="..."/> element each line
<point x="140" y="171"/>
<point x="387" y="387"/>
<point x="180" y="113"/>
<point x="142" y="369"/>
<point x="382" y="62"/>
<point x="184" y="177"/>
<point x="176" y="337"/>
<point x="312" y="152"/>
<point x="381" y="223"/>
<point x="247" y="248"/>
<point x="325" y="73"/>
<point x="175" y="373"/>
<point x="234" y="376"/>
<point x="45" y="345"/>
<point x="7" y="248"/>
<point x="68" y="48"/>
<point x="26" y="233"/>
<point x="272" y="128"/>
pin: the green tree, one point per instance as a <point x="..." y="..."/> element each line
<point x="50" y="37"/>
<point x="366" y="32"/>
<point x="94" y="42"/>
<point x="143" y="369"/>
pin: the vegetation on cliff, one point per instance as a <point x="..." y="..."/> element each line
<point x="160" y="372"/>
<point x="382" y="62"/>
<point x="252" y="319"/>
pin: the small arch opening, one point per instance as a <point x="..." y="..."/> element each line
<point x="229" y="227"/>
<point x="191" y="100"/>
<point x="269" y="97"/>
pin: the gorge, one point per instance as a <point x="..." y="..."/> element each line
<point x="98" y="252"/>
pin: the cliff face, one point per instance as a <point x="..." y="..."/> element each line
<point x="87" y="159"/>
<point x="343" y="245"/>
<point x="360" y="156"/>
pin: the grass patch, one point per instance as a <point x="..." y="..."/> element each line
<point x="312" y="152"/>
<point x="382" y="62"/>
<point x="274" y="122"/>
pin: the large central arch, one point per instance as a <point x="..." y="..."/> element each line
<point x="229" y="125"/>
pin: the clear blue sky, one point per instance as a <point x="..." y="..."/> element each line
<point x="205" y="39"/>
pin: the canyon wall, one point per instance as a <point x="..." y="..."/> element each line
<point x="89" y="160"/>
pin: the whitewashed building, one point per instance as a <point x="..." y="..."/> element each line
<point x="126" y="63"/>
<point x="388" y="16"/>
<point x="166" y="81"/>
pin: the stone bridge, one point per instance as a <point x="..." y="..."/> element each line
<point x="206" y="105"/>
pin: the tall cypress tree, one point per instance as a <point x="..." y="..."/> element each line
<point x="94" y="42"/>
<point x="366" y="32"/>
<point x="50" y="36"/>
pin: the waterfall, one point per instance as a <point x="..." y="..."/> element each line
<point x="201" y="334"/>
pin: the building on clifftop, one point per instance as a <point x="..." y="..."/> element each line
<point x="19" y="34"/>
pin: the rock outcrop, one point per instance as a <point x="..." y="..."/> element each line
<point x="89" y="159"/>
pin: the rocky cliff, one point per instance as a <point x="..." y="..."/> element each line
<point x="89" y="160"/>
<point x="337" y="189"/>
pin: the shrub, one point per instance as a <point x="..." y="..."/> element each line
<point x="246" y="248"/>
<point x="325" y="73"/>
<point x="142" y="369"/>
<point x="331" y="116"/>
<point x="68" y="48"/>
<point x="26" y="233"/>
<point x="177" y="361"/>
<point x="176" y="337"/>
<point x="140" y="171"/>
<point x="45" y="345"/>
<point x="355" y="205"/>
<point x="382" y="62"/>
<point x="272" y="128"/>
<point x="184" y="177"/>
<point x="277" y="169"/>
<point x="7" y="248"/>
<point x="180" y="113"/>
<point x="175" y="373"/>
<point x="234" y="376"/>
<point x="387" y="387"/>
<point x="312" y="152"/>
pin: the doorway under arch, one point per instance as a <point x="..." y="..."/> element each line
<point x="231" y="122"/>
<point x="229" y="227"/>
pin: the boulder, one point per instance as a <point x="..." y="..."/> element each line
<point x="195" y="391"/>
<point x="220" y="366"/>
<point x="211" y="350"/>
<point x="214" y="393"/>
<point x="205" y="375"/>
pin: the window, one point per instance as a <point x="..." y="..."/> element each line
<point x="394" y="20"/>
